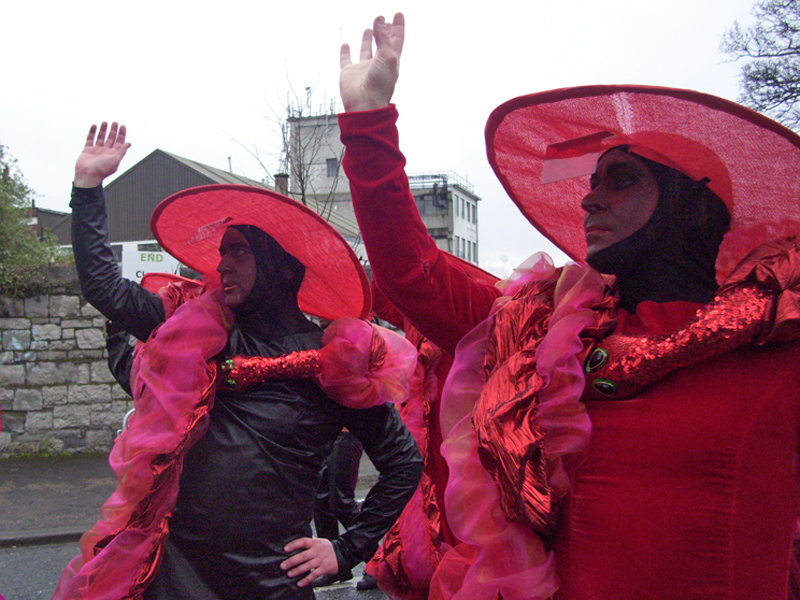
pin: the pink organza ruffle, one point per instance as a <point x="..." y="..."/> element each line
<point x="560" y="410"/>
<point x="420" y="557"/>
<point x="363" y="365"/>
<point x="420" y="548"/>
<point x="174" y="382"/>
<point x="496" y="555"/>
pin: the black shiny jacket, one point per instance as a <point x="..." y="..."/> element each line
<point x="248" y="485"/>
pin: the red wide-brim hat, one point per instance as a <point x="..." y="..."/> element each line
<point x="537" y="143"/>
<point x="190" y="224"/>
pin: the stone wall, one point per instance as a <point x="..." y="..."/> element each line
<point x="57" y="394"/>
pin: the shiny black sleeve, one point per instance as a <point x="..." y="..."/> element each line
<point x="130" y="306"/>
<point x="393" y="451"/>
<point x="120" y="355"/>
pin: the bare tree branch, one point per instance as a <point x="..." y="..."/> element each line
<point x="770" y="75"/>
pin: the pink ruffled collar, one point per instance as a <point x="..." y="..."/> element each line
<point x="497" y="555"/>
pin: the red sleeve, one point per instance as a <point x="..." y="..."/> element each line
<point x="384" y="309"/>
<point x="438" y="299"/>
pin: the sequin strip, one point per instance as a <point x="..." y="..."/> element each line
<point x="729" y="322"/>
<point x="241" y="372"/>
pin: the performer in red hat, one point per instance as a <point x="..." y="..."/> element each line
<point x="626" y="428"/>
<point x="233" y="393"/>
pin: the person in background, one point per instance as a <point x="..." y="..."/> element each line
<point x="336" y="495"/>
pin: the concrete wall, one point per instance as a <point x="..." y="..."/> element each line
<point x="56" y="392"/>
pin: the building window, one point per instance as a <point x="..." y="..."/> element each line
<point x="332" y="165"/>
<point x="463" y="202"/>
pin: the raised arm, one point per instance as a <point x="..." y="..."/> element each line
<point x="124" y="302"/>
<point x="369" y="83"/>
<point x="101" y="155"/>
<point x="439" y="300"/>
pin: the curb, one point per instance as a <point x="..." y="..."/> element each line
<point x="64" y="535"/>
<point x="58" y="535"/>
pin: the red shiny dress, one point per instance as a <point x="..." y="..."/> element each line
<point x="687" y="490"/>
<point x="690" y="490"/>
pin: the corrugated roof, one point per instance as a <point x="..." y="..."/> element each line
<point x="343" y="224"/>
<point x="148" y="182"/>
<point x="218" y="175"/>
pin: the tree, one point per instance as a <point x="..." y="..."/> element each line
<point x="24" y="258"/>
<point x="304" y="163"/>
<point x="771" y="51"/>
<point x="304" y="134"/>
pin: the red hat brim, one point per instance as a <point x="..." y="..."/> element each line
<point x="190" y="224"/>
<point x="751" y="162"/>
<point x="154" y="281"/>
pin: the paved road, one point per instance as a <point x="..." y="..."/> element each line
<point x="32" y="572"/>
<point x="65" y="493"/>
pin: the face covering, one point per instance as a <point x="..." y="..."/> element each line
<point x="672" y="257"/>
<point x="278" y="279"/>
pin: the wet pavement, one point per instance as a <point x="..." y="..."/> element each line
<point x="46" y="504"/>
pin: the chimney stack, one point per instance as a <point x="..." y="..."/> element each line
<point x="282" y="183"/>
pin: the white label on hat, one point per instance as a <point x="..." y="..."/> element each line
<point x="573" y="158"/>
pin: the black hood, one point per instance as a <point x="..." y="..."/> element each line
<point x="673" y="256"/>
<point x="278" y="279"/>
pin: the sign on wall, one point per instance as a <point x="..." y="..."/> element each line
<point x="136" y="264"/>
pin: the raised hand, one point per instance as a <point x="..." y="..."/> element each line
<point x="369" y="83"/>
<point x="101" y="156"/>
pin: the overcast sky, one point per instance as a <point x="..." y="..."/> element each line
<point x="195" y="78"/>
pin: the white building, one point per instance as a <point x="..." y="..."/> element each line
<point x="448" y="203"/>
